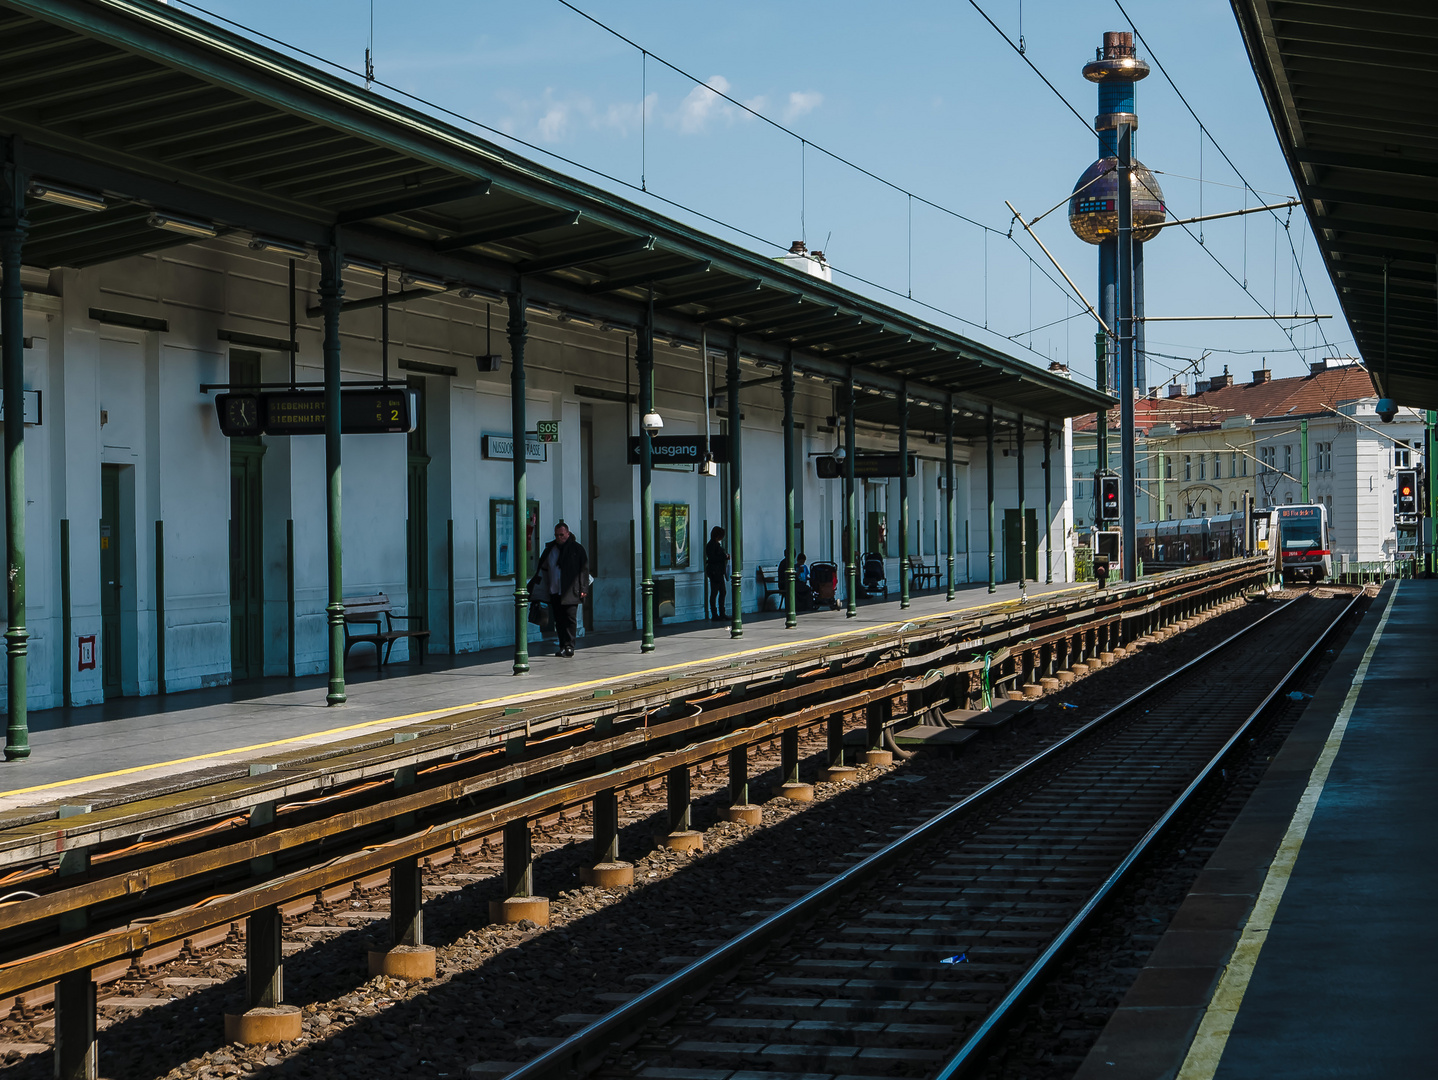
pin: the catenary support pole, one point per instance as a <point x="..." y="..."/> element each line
<point x="1128" y="487"/>
<point x="787" y="579"/>
<point x="1048" y="505"/>
<point x="904" y="567"/>
<point x="1019" y="441"/>
<point x="1100" y="344"/>
<point x="993" y="583"/>
<point x="13" y="230"/>
<point x="644" y="361"/>
<point x="1303" y="452"/>
<point x="331" y="297"/>
<point x="518" y="338"/>
<point x="851" y="512"/>
<point x="949" y="493"/>
<point x="736" y="491"/>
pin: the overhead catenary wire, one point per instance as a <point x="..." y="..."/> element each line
<point x="1088" y="127"/>
<point x="630" y="185"/>
<point x="1204" y="130"/>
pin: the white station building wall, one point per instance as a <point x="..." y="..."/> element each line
<point x="132" y="398"/>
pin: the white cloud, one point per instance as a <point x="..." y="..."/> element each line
<point x="802" y="102"/>
<point x="703" y="104"/>
<point x="553" y="125"/>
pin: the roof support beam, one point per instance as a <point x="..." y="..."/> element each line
<point x="721" y="290"/>
<point x="749" y="307"/>
<point x="508" y="230"/>
<point x="832" y="329"/>
<point x="698" y="266"/>
<point x="595" y="253"/>
<point x="1367" y="162"/>
<point x="418" y="200"/>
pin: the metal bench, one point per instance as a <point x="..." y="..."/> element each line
<point x="376" y="611"/>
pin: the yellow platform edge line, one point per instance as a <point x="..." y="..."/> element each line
<point x="1209" y="1044"/>
<point x="552" y="692"/>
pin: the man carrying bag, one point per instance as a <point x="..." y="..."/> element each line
<point x="562" y="578"/>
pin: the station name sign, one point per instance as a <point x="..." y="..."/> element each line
<point x="681" y="449"/>
<point x="501" y="447"/>
<point x="302" y="412"/>
<point x="866" y="466"/>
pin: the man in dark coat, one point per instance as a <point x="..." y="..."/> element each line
<point x="563" y="573"/>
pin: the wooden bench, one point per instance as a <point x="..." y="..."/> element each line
<point x="376" y="611"/>
<point x="922" y="575"/>
<point x="768" y="580"/>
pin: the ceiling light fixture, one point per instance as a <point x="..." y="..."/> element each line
<point x="67" y="196"/>
<point x="419" y="281"/>
<point x="359" y="266"/>
<point x="469" y="292"/>
<point x="182" y="225"/>
<point x="285" y="247"/>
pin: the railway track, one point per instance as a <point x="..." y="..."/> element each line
<point x="910" y="962"/>
<point x="192" y="869"/>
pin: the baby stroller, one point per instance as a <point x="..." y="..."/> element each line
<point x="824" y="583"/>
<point x="872" y="581"/>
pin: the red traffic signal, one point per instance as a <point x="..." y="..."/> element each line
<point x="1407" y="502"/>
<point x="1108" y="509"/>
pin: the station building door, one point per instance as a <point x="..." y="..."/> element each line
<point x="1012" y="540"/>
<point x="111" y="621"/>
<point x="247" y="591"/>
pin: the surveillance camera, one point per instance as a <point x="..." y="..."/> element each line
<point x="1387" y="409"/>
<point x="652" y="422"/>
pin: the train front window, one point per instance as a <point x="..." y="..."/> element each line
<point x="1301" y="533"/>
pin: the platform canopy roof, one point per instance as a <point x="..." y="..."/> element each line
<point x="1353" y="91"/>
<point x="159" y="110"/>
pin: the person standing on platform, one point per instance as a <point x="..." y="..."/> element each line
<point x="564" y="570"/>
<point x="716" y="574"/>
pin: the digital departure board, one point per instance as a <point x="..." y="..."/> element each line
<point x="302" y="412"/>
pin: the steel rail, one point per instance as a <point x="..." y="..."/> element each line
<point x="584" y="1048"/>
<point x="332" y="866"/>
<point x="383" y="755"/>
<point x="967" y="1057"/>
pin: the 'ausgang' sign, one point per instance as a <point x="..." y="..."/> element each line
<point x="682" y="449"/>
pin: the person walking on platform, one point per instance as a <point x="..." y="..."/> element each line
<point x="716" y="574"/>
<point x="564" y="571"/>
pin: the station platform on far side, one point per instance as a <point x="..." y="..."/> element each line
<point x="134" y="740"/>
<point x="1308" y="946"/>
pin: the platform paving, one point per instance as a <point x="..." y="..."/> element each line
<point x="130" y="740"/>
<point x="1307" y="947"/>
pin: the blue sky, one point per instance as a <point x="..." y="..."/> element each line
<point x="924" y="94"/>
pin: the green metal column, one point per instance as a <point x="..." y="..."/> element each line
<point x="1048" y="505"/>
<point x="518" y="337"/>
<point x="993" y="583"/>
<point x="1303" y="450"/>
<point x="331" y="295"/>
<point x="1023" y="512"/>
<point x="851" y="513"/>
<point x="736" y="489"/>
<point x="13" y="229"/>
<point x="786" y="580"/>
<point x="644" y="358"/>
<point x="949" y="492"/>
<point x="1160" y="514"/>
<point x="1430" y="467"/>
<point x="903" y="494"/>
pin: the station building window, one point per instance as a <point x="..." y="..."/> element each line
<point x="1187" y="466"/>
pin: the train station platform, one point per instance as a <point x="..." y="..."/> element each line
<point x="133" y="740"/>
<point x="1308" y="947"/>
